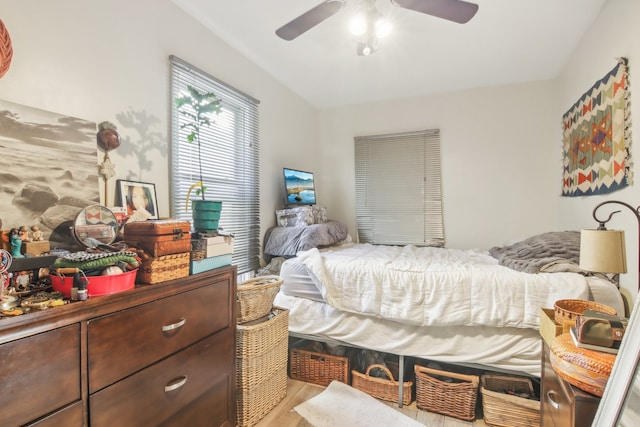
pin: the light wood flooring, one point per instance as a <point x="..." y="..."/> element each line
<point x="283" y="414"/>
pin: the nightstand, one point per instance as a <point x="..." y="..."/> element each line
<point x="562" y="404"/>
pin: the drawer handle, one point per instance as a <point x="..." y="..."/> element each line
<point x="175" y="384"/>
<point x="171" y="327"/>
<point x="552" y="402"/>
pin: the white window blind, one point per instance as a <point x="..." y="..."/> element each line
<point x="398" y="189"/>
<point x="230" y="162"/>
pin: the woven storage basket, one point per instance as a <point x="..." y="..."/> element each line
<point x="382" y="388"/>
<point x="253" y="404"/>
<point x="198" y="255"/>
<point x="501" y="409"/>
<point x="566" y="311"/>
<point x="255" y="297"/>
<point x="318" y="368"/>
<point x="435" y="392"/>
<point x="198" y="244"/>
<point x="261" y="348"/>
<point x="163" y="268"/>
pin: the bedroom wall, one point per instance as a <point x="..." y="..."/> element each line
<point x="499" y="148"/>
<point x="615" y="34"/>
<point x="108" y="60"/>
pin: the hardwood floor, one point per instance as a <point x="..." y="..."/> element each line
<point x="283" y="414"/>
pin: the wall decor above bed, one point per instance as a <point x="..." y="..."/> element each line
<point x="597" y="137"/>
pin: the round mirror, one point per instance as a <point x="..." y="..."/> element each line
<point x="95" y="225"/>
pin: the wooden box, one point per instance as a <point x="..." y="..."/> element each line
<point x="35" y="248"/>
<point x="549" y="329"/>
<point x="159" y="237"/>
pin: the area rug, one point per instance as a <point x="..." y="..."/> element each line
<point x="342" y="405"/>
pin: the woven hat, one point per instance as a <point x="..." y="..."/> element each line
<point x="6" y="51"/>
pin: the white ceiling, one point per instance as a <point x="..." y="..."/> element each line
<point x="507" y="41"/>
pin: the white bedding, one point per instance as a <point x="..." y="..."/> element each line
<point x="435" y="286"/>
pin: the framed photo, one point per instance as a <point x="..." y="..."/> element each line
<point x="137" y="196"/>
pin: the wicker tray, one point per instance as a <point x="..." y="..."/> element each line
<point x="163" y="268"/>
<point x="569" y="309"/>
<point x="318" y="368"/>
<point x="262" y="348"/>
<point x="435" y="394"/>
<point x="382" y="388"/>
<point x="566" y="311"/>
<point x="255" y="297"/>
<point x="501" y="409"/>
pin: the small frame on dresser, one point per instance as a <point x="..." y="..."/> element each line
<point x="137" y="196"/>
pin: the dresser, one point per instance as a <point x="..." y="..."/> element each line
<point x="562" y="404"/>
<point x="161" y="355"/>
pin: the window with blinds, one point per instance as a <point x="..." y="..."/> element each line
<point x="230" y="150"/>
<point x="398" y="189"/>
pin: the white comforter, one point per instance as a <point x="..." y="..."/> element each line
<point x="435" y="286"/>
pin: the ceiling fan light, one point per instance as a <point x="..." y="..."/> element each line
<point x="383" y="28"/>
<point x="358" y="24"/>
<point x="368" y="47"/>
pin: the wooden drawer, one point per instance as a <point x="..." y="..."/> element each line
<point x="563" y="405"/>
<point x="555" y="403"/>
<point x="163" y="391"/>
<point x="71" y="416"/>
<point x="42" y="370"/>
<point x="127" y="341"/>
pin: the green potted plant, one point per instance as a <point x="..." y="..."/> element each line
<point x="198" y="107"/>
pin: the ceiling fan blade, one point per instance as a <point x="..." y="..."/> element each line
<point x="452" y="10"/>
<point x="310" y="19"/>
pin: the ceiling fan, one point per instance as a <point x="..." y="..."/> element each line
<point x="452" y="10"/>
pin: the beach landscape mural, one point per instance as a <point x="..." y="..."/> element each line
<point x="48" y="172"/>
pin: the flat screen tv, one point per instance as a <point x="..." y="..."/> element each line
<point x="299" y="187"/>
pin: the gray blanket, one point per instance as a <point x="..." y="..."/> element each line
<point x="534" y="254"/>
<point x="288" y="241"/>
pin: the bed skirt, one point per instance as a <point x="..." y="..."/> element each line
<point x="506" y="349"/>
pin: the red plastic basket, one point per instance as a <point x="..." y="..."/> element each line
<point x="98" y="285"/>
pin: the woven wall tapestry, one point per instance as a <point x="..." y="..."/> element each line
<point x="597" y="137"/>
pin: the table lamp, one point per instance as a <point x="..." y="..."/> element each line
<point x="602" y="250"/>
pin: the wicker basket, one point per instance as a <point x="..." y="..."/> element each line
<point x="318" y="368"/>
<point x="255" y="297"/>
<point x="198" y="255"/>
<point x="382" y="388"/>
<point x="198" y="244"/>
<point x="261" y="348"/>
<point x="566" y="311"/>
<point x="253" y="404"/>
<point x="163" y="268"/>
<point x="261" y="365"/>
<point x="446" y="393"/>
<point x="501" y="409"/>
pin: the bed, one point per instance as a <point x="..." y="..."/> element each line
<point x="467" y="307"/>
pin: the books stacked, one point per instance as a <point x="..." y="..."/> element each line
<point x="218" y="251"/>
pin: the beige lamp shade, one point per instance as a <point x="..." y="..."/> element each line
<point x="603" y="251"/>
